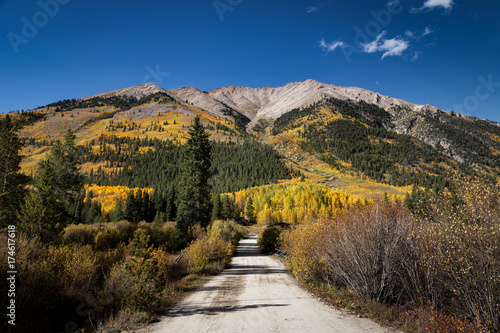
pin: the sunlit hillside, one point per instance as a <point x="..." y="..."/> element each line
<point x="163" y="120"/>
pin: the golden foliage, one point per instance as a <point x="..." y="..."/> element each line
<point x="107" y="196"/>
<point x="209" y="248"/>
<point x="294" y="203"/>
<point x="451" y="260"/>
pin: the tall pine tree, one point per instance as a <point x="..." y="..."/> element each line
<point x="67" y="180"/>
<point x="170" y="208"/>
<point x="216" y="210"/>
<point x="117" y="214"/>
<point x="58" y="188"/>
<point x="194" y="190"/>
<point x="42" y="214"/>
<point x="11" y="181"/>
<point x="226" y="207"/>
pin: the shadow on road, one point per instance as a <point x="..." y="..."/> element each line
<point x="190" y="311"/>
<point x="236" y="269"/>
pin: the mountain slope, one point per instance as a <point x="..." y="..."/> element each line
<point x="332" y="135"/>
<point x="268" y="103"/>
<point x="360" y="137"/>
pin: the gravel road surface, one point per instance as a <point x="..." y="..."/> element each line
<point x="256" y="294"/>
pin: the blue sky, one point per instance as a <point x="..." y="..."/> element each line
<point x="440" y="52"/>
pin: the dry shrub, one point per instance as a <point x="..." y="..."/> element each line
<point x="124" y="320"/>
<point x="305" y="247"/>
<point x="78" y="272"/>
<point x="428" y="319"/>
<point x="164" y="236"/>
<point x="52" y="284"/>
<point x="461" y="247"/>
<point x="101" y="236"/>
<point x="363" y="251"/>
<point x="210" y="251"/>
<point x="133" y="285"/>
<point x="81" y="234"/>
<point x="105" y="236"/>
<point x="164" y="264"/>
<point x="449" y="261"/>
<point x="229" y="231"/>
<point x="84" y="277"/>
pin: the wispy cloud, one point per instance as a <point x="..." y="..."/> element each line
<point x="318" y="7"/>
<point x="433" y="4"/>
<point x="427" y="31"/>
<point x="391" y="3"/>
<point x="416" y="55"/>
<point x="411" y="35"/>
<point x="476" y="15"/>
<point x="330" y="47"/>
<point x="390" y="47"/>
<point x="312" y="9"/>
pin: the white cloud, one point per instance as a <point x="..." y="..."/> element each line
<point x="312" y="9"/>
<point x="330" y="47"/>
<point x="416" y="55"/>
<point x="390" y="47"/>
<point x="433" y="4"/>
<point x="411" y="35"/>
<point x="427" y="31"/>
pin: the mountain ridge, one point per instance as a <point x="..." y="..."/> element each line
<point x="329" y="133"/>
<point x="268" y="103"/>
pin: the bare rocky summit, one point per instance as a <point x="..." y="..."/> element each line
<point x="198" y="98"/>
<point x="135" y="91"/>
<point x="268" y="103"/>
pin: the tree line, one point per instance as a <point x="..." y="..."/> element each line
<point x="154" y="163"/>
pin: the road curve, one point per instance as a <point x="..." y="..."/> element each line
<point x="256" y="294"/>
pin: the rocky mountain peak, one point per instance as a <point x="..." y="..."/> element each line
<point x="135" y="91"/>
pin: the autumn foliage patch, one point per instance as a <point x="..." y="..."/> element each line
<point x="445" y="267"/>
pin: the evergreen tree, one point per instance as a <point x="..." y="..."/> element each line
<point x="217" y="209"/>
<point x="132" y="207"/>
<point x="170" y="208"/>
<point x="94" y="213"/>
<point x="67" y="180"/>
<point x="249" y="210"/>
<point x="386" y="198"/>
<point x="226" y="210"/>
<point x="194" y="191"/>
<point x="159" y="218"/>
<point x="42" y="214"/>
<point x="118" y="211"/>
<point x="11" y="181"/>
<point x="147" y="209"/>
<point x="159" y="202"/>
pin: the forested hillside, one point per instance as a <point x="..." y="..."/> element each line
<point x="103" y="193"/>
<point x="361" y="137"/>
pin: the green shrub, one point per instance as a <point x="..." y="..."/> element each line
<point x="133" y="285"/>
<point x="229" y="231"/>
<point x="269" y="239"/>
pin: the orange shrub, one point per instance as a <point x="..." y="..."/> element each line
<point x="305" y="248"/>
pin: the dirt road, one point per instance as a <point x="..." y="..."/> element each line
<point x="256" y="294"/>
